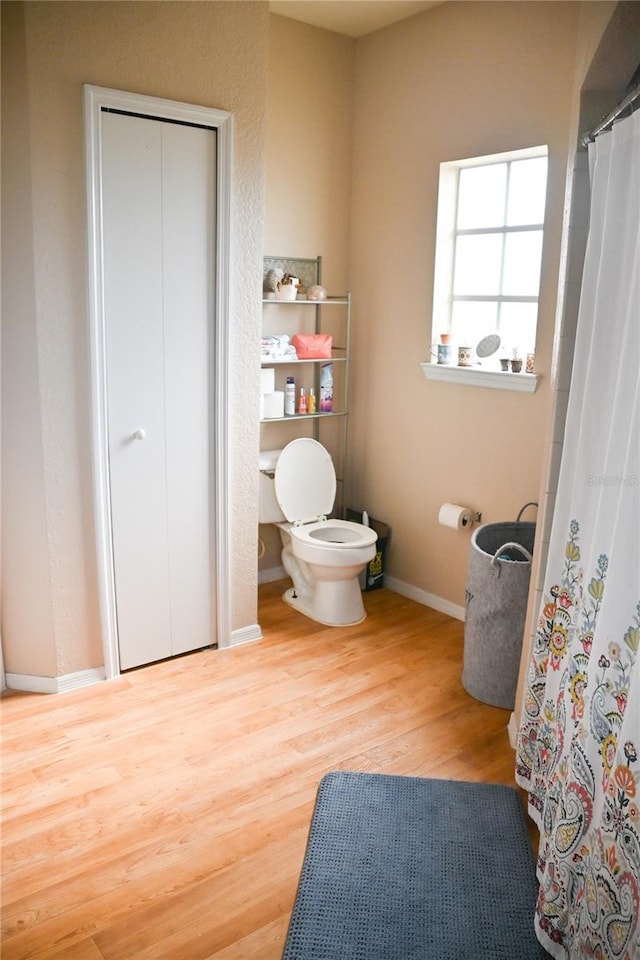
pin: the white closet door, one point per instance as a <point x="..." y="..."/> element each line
<point x="158" y="188"/>
<point x="188" y="211"/>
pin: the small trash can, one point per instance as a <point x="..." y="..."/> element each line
<point x="496" y="602"/>
<point x="373" y="575"/>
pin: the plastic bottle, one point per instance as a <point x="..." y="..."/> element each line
<point x="302" y="402"/>
<point x="326" y="388"/>
<point x="290" y="397"/>
<point x="365" y="518"/>
<point x="311" y="401"/>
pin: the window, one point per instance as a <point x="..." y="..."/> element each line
<point x="489" y="249"/>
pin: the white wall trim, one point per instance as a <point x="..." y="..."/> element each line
<point x="97" y="98"/>
<point x="428" y="599"/>
<point x="246" y="635"/>
<point x="221" y="346"/>
<point x="398" y="586"/>
<point x="271" y="574"/>
<point x="512" y="728"/>
<point x="63" y="684"/>
<point x="475" y="377"/>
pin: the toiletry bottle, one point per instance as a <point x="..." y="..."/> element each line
<point x="302" y="402"/>
<point x="326" y="388"/>
<point x="290" y="397"/>
<point x="311" y="401"/>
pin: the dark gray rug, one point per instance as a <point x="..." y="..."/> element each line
<point x="404" y="868"/>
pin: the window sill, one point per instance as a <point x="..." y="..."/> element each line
<point x="475" y="377"/>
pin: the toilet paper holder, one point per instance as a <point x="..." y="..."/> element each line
<point x="457" y="517"/>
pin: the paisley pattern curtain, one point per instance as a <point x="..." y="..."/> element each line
<point x="579" y="741"/>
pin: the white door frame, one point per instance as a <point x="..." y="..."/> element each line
<point x="95" y="100"/>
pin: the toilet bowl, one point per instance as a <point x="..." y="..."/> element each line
<point x="324" y="557"/>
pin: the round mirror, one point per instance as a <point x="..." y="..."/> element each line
<point x="488" y="345"/>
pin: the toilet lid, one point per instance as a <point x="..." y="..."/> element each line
<point x="305" y="480"/>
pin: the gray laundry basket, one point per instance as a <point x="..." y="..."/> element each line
<point x="496" y="595"/>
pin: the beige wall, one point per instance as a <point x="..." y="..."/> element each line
<point x="207" y="53"/>
<point x="308" y="168"/>
<point x="308" y="146"/>
<point x="460" y="80"/>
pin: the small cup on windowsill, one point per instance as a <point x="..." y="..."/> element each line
<point x="464" y="356"/>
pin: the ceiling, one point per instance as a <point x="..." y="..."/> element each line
<point x="353" y="18"/>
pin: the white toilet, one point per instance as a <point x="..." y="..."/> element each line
<point x="323" y="557"/>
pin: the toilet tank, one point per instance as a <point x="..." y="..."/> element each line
<point x="268" y="508"/>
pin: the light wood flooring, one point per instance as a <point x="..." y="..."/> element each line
<point x="164" y="815"/>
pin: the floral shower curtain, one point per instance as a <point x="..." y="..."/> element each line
<point x="579" y="741"/>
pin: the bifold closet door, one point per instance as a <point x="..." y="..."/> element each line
<point x="158" y="196"/>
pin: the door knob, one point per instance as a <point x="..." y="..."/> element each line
<point x="139" y="435"/>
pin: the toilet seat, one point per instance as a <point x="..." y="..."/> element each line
<point x="305" y="481"/>
<point x="334" y="535"/>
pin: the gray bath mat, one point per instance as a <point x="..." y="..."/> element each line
<point x="405" y="868"/>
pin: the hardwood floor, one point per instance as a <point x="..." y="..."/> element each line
<point x="163" y="815"/>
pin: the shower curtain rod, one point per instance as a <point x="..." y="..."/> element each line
<point x="610" y="119"/>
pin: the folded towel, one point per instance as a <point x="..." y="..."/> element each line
<point x="277" y="348"/>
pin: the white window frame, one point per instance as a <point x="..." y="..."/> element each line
<point x="443" y="298"/>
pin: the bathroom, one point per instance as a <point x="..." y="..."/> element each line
<point x="337" y="145"/>
<point x="484" y="448"/>
<point x="359" y="188"/>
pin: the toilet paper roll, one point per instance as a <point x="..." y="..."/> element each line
<point x="267" y="380"/>
<point x="274" y="405"/>
<point x="454" y="516"/>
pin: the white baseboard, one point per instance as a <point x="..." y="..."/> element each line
<point x="63" y="684"/>
<point x="86" y="678"/>
<point x="512" y="728"/>
<point x="245" y="635"/>
<point x="272" y="573"/>
<point x="427" y="599"/>
<point x="398" y="586"/>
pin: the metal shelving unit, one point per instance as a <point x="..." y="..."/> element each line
<point x="332" y="315"/>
